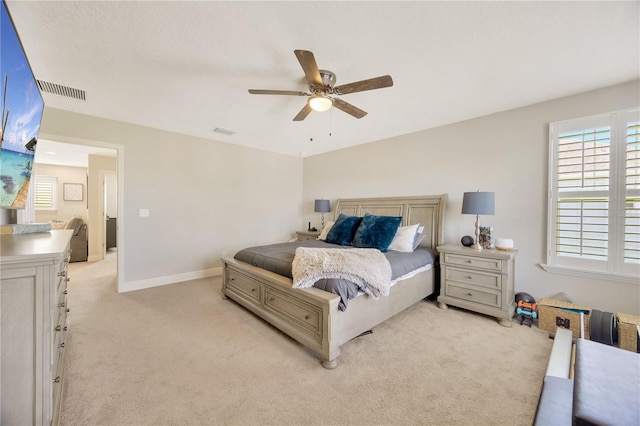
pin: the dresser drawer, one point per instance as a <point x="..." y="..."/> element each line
<point x="303" y="314"/>
<point x="473" y="262"/>
<point x="473" y="295"/>
<point x="243" y="284"/>
<point x="492" y="281"/>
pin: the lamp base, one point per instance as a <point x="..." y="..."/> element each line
<point x="476" y="246"/>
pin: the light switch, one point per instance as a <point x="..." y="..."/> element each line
<point x="144" y="212"/>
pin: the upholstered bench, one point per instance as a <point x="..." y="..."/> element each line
<point x="606" y="385"/>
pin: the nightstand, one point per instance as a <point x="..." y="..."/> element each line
<point x="307" y="235"/>
<point x="478" y="280"/>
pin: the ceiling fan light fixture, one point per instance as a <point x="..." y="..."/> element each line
<point x="320" y="103"/>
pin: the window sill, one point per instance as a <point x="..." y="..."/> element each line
<point x="565" y="270"/>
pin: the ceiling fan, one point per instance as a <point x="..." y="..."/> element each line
<point x="323" y="90"/>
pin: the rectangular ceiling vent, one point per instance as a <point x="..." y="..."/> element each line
<point x="60" y="90"/>
<point x="224" y="131"/>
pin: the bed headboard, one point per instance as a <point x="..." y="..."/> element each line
<point x="427" y="210"/>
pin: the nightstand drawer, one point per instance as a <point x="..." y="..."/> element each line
<point x="472" y="295"/>
<point x="473" y="262"/>
<point x="491" y="281"/>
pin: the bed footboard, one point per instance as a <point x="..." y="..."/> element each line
<point x="303" y="314"/>
<point x="311" y="316"/>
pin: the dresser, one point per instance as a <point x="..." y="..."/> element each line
<point x="33" y="326"/>
<point x="478" y="280"/>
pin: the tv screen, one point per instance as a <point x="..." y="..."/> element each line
<point x="22" y="107"/>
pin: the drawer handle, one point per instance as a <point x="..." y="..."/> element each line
<point x="58" y="328"/>
<point x="271" y="299"/>
<point x="307" y="317"/>
<point x="68" y="310"/>
<point x="62" y="273"/>
<point x="68" y="279"/>
<point x="469" y="294"/>
<point x="253" y="289"/>
<point x="469" y="277"/>
<point x="231" y="279"/>
<point x="61" y="345"/>
<point x="56" y="380"/>
<point x="61" y="305"/>
<point x="64" y="292"/>
<point x="65" y="328"/>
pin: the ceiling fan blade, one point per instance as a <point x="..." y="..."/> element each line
<point x="303" y="113"/>
<point x="348" y="108"/>
<point x="277" y="92"/>
<point x="308" y="64"/>
<point x="361" y="86"/>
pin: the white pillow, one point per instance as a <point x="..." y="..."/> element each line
<point x="325" y="231"/>
<point x="405" y="236"/>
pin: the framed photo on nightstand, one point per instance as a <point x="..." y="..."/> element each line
<point x="486" y="237"/>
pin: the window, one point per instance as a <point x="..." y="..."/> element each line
<point x="594" y="196"/>
<point x="45" y="192"/>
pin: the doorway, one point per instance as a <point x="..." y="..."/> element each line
<point x="101" y="163"/>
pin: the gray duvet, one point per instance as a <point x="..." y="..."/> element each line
<point x="278" y="258"/>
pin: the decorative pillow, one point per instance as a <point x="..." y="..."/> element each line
<point x="418" y="240"/>
<point x="343" y="230"/>
<point x="325" y="230"/>
<point x="404" y="238"/>
<point x="376" y="231"/>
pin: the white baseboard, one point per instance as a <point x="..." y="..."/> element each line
<point x="170" y="279"/>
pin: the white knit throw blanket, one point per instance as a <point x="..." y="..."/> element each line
<point x="369" y="269"/>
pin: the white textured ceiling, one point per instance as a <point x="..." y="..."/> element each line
<point x="186" y="66"/>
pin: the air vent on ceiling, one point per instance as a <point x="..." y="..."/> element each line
<point x="58" y="89"/>
<point x="224" y="131"/>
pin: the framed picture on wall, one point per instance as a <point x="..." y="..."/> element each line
<point x="73" y="192"/>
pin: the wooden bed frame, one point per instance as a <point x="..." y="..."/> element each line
<point x="311" y="316"/>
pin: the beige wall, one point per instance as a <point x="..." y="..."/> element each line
<point x="64" y="209"/>
<point x="506" y="153"/>
<point x="205" y="197"/>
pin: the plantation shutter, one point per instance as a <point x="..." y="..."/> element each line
<point x="45" y="192"/>
<point x="632" y="200"/>
<point x="583" y="193"/>
<point x="594" y="196"/>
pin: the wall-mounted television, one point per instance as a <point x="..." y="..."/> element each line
<point x="22" y="107"/>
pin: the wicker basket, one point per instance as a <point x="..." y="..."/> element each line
<point x="554" y="313"/>
<point x="627" y="331"/>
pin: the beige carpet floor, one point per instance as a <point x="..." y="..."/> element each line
<point x="181" y="355"/>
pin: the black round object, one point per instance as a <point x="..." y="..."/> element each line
<point x="525" y="297"/>
<point x="467" y="241"/>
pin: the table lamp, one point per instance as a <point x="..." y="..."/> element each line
<point x="322" y="206"/>
<point x="478" y="203"/>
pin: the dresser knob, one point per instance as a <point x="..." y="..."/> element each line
<point x="56" y="380"/>
<point x="271" y="299"/>
<point x="469" y="294"/>
<point x="253" y="289"/>
<point x="65" y="328"/>
<point x="61" y="345"/>
<point x="61" y="305"/>
<point x="58" y="328"/>
<point x="469" y="277"/>
<point x="62" y="273"/>
<point x="64" y="292"/>
<point x="307" y="317"/>
<point x="68" y="310"/>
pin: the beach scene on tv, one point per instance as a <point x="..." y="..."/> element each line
<point x="22" y="107"/>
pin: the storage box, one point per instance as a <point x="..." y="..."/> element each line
<point x="556" y="313"/>
<point x="628" y="331"/>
